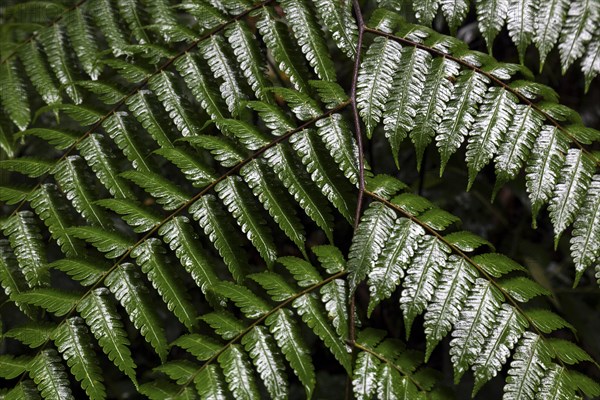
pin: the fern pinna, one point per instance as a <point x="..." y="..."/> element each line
<point x="192" y="179"/>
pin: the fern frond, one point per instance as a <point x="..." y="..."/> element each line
<point x="339" y="21"/>
<point x="114" y="244"/>
<point x="520" y="23"/>
<point x="82" y="40"/>
<point x="25" y="239"/>
<point x="375" y="79"/>
<point x="491" y="15"/>
<point x="261" y="348"/>
<point x="580" y="23"/>
<point x="585" y="242"/>
<point x="85" y="272"/>
<point x="335" y="297"/>
<point x="150" y="255"/>
<point x="50" y="376"/>
<point x="37" y="71"/>
<point x="73" y="341"/>
<point x="12" y="278"/>
<point x="573" y="182"/>
<point x="530" y="360"/>
<point x="233" y="192"/>
<point x="166" y="193"/>
<point x="72" y="178"/>
<point x="455" y="12"/>
<point x="105" y="19"/>
<point x="127" y="287"/>
<point x="548" y="23"/>
<point x="14" y="96"/>
<point x="145" y="110"/>
<point x="364" y="381"/>
<point x="238" y="373"/>
<point x="121" y="130"/>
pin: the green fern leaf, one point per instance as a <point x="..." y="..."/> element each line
<point x="95" y="151"/>
<point x="530" y="360"/>
<point x="474" y="325"/>
<point x="218" y="226"/>
<point x="105" y="19"/>
<point x="556" y="384"/>
<point x="140" y="218"/>
<point x="82" y="40"/>
<point x="288" y="338"/>
<point x="281" y="159"/>
<point x="26" y="242"/>
<point x="249" y="57"/>
<point x="268" y="362"/>
<point x="12" y="195"/>
<point x="14" y="96"/>
<point x="223" y="149"/>
<point x="412" y="203"/>
<point x="275" y="285"/>
<point x="330" y="257"/>
<point x="56" y="301"/>
<point x="38" y="72"/>
<point x="128" y="10"/>
<point x="33" y="334"/>
<point x="31" y="167"/>
<point x="122" y="131"/>
<point x="180" y="236"/>
<point x="54" y="42"/>
<point x="335" y="297"/>
<point x="458" y="119"/>
<point x="302" y="105"/>
<point x="567" y="352"/>
<point x="425" y="11"/>
<point x="181" y="371"/>
<point x="75" y="184"/>
<point x="455" y="12"/>
<point x="210" y="383"/>
<point x="304" y="273"/>
<point x="590" y="64"/>
<point x="548" y="23"/>
<point x="585" y="240"/>
<point x="143" y="106"/>
<point x="336" y="134"/>
<point x="369" y="241"/>
<point x="375" y="80"/>
<point x="107" y="93"/>
<point x="11" y="367"/>
<point x="421" y="278"/>
<point x="274" y="117"/>
<point x="467" y="241"/>
<point x="401" y="108"/>
<point x="274" y="200"/>
<point x="509" y="327"/>
<point x="225" y="324"/>
<point x="99" y="311"/>
<point x="50" y="376"/>
<point x="393" y="260"/>
<point x="194" y="170"/>
<point x="523" y="289"/>
<point x="73" y="341"/>
<point x="580" y="23"/>
<point x="491" y="15"/>
<point x="250" y="305"/>
<point x="340" y="23"/>
<point x="456" y="280"/>
<point x="392" y="385"/>
<point x="437" y="92"/>
<point x="166" y="193"/>
<point x="573" y="182"/>
<point x="275" y="35"/>
<point x="201" y="347"/>
<point x="497" y="264"/>
<point x="547" y="321"/>
<point x="309" y="37"/>
<point x="198" y="83"/>
<point x="589" y="387"/>
<point x="319" y="166"/>
<point x="515" y="147"/>
<point x="543" y="167"/>
<point x="25" y="390"/>
<point x="365" y="380"/>
<point x="52" y="208"/>
<point x="213" y="51"/>
<point x="234" y="195"/>
<point x="490" y="126"/>
<point x="150" y="256"/>
<point x="163" y="86"/>
<point x="127" y="287"/>
<point x="520" y="24"/>
<point x="12" y="278"/>
<point x="82" y="114"/>
<point x="85" y="272"/>
<point x="112" y="243"/>
<point x="314" y="316"/>
<point x="238" y="373"/>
